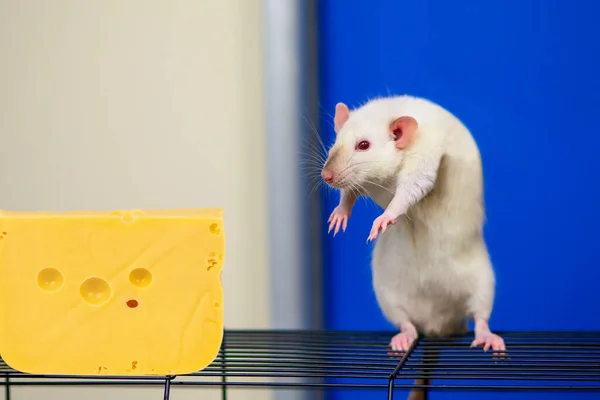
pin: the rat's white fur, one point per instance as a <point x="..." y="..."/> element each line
<point x="431" y="269"/>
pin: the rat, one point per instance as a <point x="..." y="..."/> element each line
<point x="431" y="270"/>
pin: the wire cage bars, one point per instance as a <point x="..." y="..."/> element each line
<point x="536" y="361"/>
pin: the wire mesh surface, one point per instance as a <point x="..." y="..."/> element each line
<point x="324" y="359"/>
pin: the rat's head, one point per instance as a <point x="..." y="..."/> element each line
<point x="369" y="147"/>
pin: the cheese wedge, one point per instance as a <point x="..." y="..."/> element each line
<point x="111" y="293"/>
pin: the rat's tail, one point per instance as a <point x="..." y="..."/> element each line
<point x="430" y="358"/>
<point x="428" y="362"/>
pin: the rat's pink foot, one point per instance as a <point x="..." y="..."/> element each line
<point x="490" y="340"/>
<point x="402" y="341"/>
<point x="382" y="223"/>
<point x="339" y="217"/>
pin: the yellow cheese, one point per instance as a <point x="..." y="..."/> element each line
<point x="111" y="293"/>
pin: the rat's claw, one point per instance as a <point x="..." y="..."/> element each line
<point x="332" y="224"/>
<point x="490" y="340"/>
<point x="337" y="219"/>
<point x="401" y="342"/>
<point x="338" y="223"/>
<point x="382" y="223"/>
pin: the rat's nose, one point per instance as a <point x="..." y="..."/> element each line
<point x="327" y="175"/>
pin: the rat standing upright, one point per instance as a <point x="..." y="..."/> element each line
<point x="431" y="267"/>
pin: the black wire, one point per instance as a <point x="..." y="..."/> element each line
<point x="538" y="361"/>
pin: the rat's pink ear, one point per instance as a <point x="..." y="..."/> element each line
<point x="403" y="130"/>
<point x="342" y="113"/>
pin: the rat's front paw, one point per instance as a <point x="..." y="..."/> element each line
<point x="382" y="223"/>
<point x="338" y="218"/>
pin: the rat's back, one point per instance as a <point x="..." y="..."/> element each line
<point x="425" y="111"/>
<point x="457" y="197"/>
<point x="426" y="265"/>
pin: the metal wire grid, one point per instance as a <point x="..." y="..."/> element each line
<point x="536" y="361"/>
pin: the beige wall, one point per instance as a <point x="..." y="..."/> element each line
<point x="140" y="104"/>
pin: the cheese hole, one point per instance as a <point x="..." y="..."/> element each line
<point x="95" y="291"/>
<point x="211" y="263"/>
<point x="50" y="279"/>
<point x="140" y="277"/>
<point x="214" y="229"/>
<point x="132" y="303"/>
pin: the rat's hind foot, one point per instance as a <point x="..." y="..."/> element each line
<point x="402" y="341"/>
<point x="490" y="340"/>
<point x="484" y="337"/>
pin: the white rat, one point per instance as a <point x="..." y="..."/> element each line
<point x="431" y="268"/>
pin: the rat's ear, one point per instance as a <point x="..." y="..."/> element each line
<point x="403" y="130"/>
<point x="342" y="112"/>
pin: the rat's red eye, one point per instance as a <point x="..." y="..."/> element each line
<point x="363" y="145"/>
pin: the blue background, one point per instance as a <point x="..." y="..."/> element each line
<point x="524" y="76"/>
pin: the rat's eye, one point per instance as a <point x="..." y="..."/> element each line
<point x="363" y="145"/>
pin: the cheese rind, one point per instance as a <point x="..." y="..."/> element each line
<point x="111" y="293"/>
